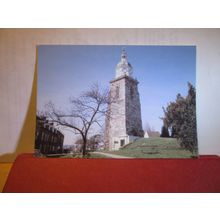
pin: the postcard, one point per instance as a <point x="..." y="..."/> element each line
<point x="116" y="101"/>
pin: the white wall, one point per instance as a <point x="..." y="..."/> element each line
<point x="17" y="60"/>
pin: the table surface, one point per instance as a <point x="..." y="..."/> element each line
<point x="31" y="174"/>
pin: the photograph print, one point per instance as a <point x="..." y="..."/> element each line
<point x="123" y="101"/>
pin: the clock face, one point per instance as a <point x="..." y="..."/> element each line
<point x="124" y="69"/>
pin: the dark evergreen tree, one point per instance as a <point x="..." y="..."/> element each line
<point x="181" y="115"/>
<point x="164" y="132"/>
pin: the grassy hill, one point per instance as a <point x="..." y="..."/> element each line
<point x="154" y="148"/>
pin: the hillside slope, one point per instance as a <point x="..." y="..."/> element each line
<point x="154" y="148"/>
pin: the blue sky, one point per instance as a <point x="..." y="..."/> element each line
<point x="162" y="72"/>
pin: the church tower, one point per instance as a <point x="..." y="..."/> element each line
<point x="123" y="123"/>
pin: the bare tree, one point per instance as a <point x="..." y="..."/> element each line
<point x="86" y="111"/>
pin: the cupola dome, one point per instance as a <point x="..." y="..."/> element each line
<point x="124" y="67"/>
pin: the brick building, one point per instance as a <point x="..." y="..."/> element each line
<point x="48" y="140"/>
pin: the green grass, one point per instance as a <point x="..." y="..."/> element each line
<point x="154" y="148"/>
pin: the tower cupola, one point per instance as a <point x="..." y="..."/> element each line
<point x="123" y="68"/>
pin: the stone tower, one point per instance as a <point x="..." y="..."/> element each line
<point x="123" y="123"/>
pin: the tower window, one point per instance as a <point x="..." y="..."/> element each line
<point x="117" y="92"/>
